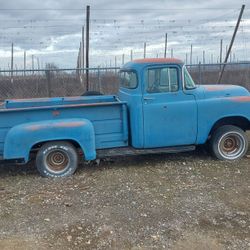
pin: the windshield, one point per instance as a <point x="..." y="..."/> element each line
<point x="188" y="81"/>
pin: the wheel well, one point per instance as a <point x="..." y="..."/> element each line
<point x="237" y="121"/>
<point x="74" y="143"/>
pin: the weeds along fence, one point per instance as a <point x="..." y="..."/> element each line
<point x="235" y="73"/>
<point x="72" y="82"/>
<point x="56" y="82"/>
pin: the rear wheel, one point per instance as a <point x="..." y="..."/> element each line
<point x="57" y="159"/>
<point x="229" y="143"/>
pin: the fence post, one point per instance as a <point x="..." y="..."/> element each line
<point x="199" y="72"/>
<point x="99" y="80"/>
<point x="48" y="76"/>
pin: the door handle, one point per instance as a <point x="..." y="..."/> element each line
<point x="147" y="98"/>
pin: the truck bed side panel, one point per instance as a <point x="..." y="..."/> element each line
<point x="109" y="121"/>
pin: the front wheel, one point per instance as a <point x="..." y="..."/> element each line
<point x="57" y="159"/>
<point x="229" y="143"/>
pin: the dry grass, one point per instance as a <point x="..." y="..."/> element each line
<point x="63" y="84"/>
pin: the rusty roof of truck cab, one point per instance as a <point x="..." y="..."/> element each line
<point x="158" y="60"/>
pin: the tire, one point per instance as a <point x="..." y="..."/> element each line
<point x="92" y="93"/>
<point x="57" y="159"/>
<point x="229" y="143"/>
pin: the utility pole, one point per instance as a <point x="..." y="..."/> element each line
<point x="145" y="50"/>
<point x="24" y="63"/>
<point x="79" y="56"/>
<point x="166" y="45"/>
<point x="191" y="54"/>
<point x="232" y="42"/>
<point x="38" y="65"/>
<point x="221" y="50"/>
<point x="16" y="69"/>
<point x="131" y="55"/>
<point x="87" y="46"/>
<point x="12" y="61"/>
<point x="32" y="63"/>
<point x="82" y="54"/>
<point x="115" y="64"/>
<point x="81" y="59"/>
<point x="203" y="57"/>
<point x="186" y="58"/>
<point x="123" y="59"/>
<point x="172" y="53"/>
<point x="78" y="61"/>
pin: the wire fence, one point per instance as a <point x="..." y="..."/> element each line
<point x="56" y="82"/>
<point x="235" y="73"/>
<point x="72" y="82"/>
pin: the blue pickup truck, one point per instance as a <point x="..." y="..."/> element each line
<point x="158" y="109"/>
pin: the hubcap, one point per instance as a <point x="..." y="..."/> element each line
<point x="231" y="145"/>
<point x="57" y="161"/>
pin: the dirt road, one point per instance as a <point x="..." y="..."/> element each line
<point x="181" y="201"/>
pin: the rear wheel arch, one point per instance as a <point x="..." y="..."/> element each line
<point x="75" y="143"/>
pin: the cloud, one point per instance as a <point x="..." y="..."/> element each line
<point x="51" y="30"/>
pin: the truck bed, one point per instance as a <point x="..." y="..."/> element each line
<point x="107" y="114"/>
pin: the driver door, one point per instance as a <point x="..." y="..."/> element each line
<point x="170" y="115"/>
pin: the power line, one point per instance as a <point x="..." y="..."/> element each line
<point x="120" y="9"/>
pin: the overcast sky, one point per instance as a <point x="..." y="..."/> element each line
<point x="51" y="30"/>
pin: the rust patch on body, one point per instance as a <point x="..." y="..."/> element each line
<point x="240" y="99"/>
<point x="55" y="113"/>
<point x="35" y="127"/>
<point x="68" y="124"/>
<point x="158" y="60"/>
<point x="72" y="124"/>
<point x="216" y="88"/>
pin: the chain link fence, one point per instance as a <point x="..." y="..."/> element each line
<point x="72" y="82"/>
<point x="56" y="82"/>
<point x="235" y="73"/>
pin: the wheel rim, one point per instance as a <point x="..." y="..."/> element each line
<point x="57" y="161"/>
<point x="231" y="145"/>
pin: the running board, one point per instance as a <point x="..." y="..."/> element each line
<point x="11" y="161"/>
<point x="110" y="152"/>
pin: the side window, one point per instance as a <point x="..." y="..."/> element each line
<point x="128" y="79"/>
<point x="162" y="80"/>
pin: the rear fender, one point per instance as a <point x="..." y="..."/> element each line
<point x="21" y="138"/>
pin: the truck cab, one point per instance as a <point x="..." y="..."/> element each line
<point x="161" y="102"/>
<point x="168" y="109"/>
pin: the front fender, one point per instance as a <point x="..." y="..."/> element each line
<point x="21" y="138"/>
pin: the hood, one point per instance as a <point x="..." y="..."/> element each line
<point x="211" y="91"/>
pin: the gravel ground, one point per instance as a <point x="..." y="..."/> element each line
<point x="178" y="201"/>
